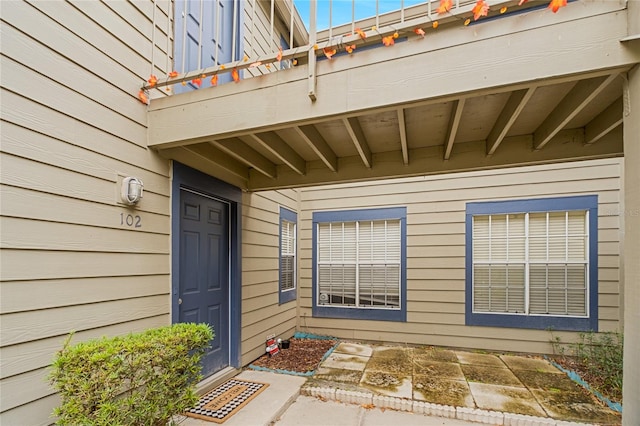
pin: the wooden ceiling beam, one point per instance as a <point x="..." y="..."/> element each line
<point x="316" y="142"/>
<point x="507" y="117"/>
<point x="514" y="151"/>
<point x="247" y="155"/>
<point x="454" y="125"/>
<point x="576" y="100"/>
<point x="211" y="161"/>
<point x="359" y="141"/>
<point x="402" y="127"/>
<point x="608" y="120"/>
<point x="278" y="147"/>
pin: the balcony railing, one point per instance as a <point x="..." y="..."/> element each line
<point x="276" y="36"/>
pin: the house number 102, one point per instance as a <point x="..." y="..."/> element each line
<point x="131" y="220"/>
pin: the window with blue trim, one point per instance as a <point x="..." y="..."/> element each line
<point x="288" y="235"/>
<point x="359" y="264"/>
<point x="533" y="263"/>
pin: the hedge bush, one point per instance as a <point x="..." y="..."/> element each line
<point x="138" y="379"/>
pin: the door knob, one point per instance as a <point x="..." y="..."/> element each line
<point x="179" y="301"/>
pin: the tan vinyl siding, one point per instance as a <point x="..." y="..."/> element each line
<point x="256" y="31"/>
<point x="436" y="249"/>
<point x="262" y="314"/>
<point x="71" y="128"/>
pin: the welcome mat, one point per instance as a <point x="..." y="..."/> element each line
<point x="226" y="400"/>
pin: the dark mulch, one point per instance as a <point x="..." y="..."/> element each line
<point x="303" y="355"/>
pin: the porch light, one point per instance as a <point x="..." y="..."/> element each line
<point x="131" y="191"/>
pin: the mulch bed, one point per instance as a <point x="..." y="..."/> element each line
<point x="303" y="355"/>
<point x="595" y="381"/>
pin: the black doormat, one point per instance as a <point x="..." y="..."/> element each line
<point x="226" y="400"/>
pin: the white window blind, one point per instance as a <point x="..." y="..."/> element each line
<point x="287" y="255"/>
<point x="531" y="263"/>
<point x="359" y="264"/>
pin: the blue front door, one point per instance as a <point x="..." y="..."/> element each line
<point x="203" y="294"/>
<point x="203" y="37"/>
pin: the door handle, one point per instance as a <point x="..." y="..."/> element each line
<point x="179" y="301"/>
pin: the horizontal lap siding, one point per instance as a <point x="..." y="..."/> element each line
<point x="71" y="128"/>
<point x="262" y="314"/>
<point x="256" y="32"/>
<point x="436" y="249"/>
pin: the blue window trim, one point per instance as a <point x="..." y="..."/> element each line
<point x="186" y="177"/>
<point x="287" y="295"/>
<point x="363" y="313"/>
<point x="541" y="322"/>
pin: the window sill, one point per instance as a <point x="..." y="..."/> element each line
<point x="287" y="296"/>
<point x="532" y="322"/>
<point x="398" y="315"/>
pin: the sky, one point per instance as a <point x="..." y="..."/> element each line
<point x="342" y="10"/>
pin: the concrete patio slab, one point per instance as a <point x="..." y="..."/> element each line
<point x="339" y="375"/>
<point x="447" y="370"/>
<point x="345" y="361"/>
<point x="575" y="406"/>
<point x="442" y="391"/>
<point x="508" y="399"/>
<point x="354" y="349"/>
<point x="533" y="364"/>
<point x="478" y="359"/>
<point x="400" y="363"/>
<point x="546" y="381"/>
<point x="389" y="384"/>
<point x="490" y="375"/>
<point x="434" y="354"/>
<point x="391" y="352"/>
<point x="482" y="387"/>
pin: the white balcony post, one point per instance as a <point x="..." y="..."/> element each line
<point x="631" y="223"/>
<point x="631" y="248"/>
<point x="291" y="15"/>
<point x="199" y="36"/>
<point x="312" y="51"/>
<point x="271" y="19"/>
<point x="184" y="36"/>
<point x="234" y="34"/>
<point x="153" y="35"/>
<point x="169" y="54"/>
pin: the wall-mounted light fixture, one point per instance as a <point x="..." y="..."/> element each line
<point x="131" y="190"/>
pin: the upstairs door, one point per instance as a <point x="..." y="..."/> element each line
<point x="204" y="277"/>
<point x="204" y="37"/>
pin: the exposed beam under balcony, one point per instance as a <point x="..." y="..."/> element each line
<point x="316" y="142"/>
<point x="279" y="148"/>
<point x="577" y="99"/>
<point x="604" y="123"/>
<point x="359" y="141"/>
<point x="508" y="116"/>
<point x="444" y="66"/>
<point x="402" y="128"/>
<point x="568" y="145"/>
<point x="247" y="155"/>
<point x="461" y="99"/>
<point x="454" y="124"/>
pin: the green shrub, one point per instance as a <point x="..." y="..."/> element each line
<point x="138" y="379"/>
<point x="599" y="356"/>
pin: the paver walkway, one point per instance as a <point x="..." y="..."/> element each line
<point x="436" y="380"/>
